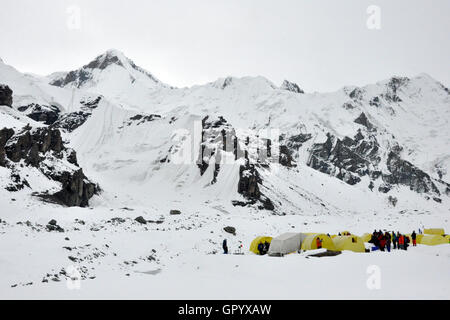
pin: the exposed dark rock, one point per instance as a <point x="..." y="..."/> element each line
<point x="248" y="182"/>
<point x="393" y="86"/>
<point x="248" y="186"/>
<point x="405" y="173"/>
<point x="385" y="188"/>
<point x="392" y="200"/>
<point x="362" y="120"/>
<point x="346" y="159"/>
<point x="40" y="113"/>
<point x="141" y="220"/>
<point x="89" y="103"/>
<point x="76" y="189"/>
<point x="226" y="82"/>
<point x="356" y="94"/>
<point x="53" y="226"/>
<point x="217" y="135"/>
<point x="285" y="157"/>
<point x="17" y="183"/>
<point x="29" y="144"/>
<point x="291" y="86"/>
<point x="5" y="95"/>
<point x="5" y="135"/>
<point x="175" y="212"/>
<point x="375" y="101"/>
<point x="72" y="121"/>
<point x="141" y="118"/>
<point x="231" y="230"/>
<point x="33" y="146"/>
<point x="266" y="203"/>
<point x="348" y="106"/>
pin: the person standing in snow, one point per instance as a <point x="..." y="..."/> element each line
<point x="319" y="243"/>
<point x="388" y="241"/>
<point x="225" y="247"/>
<point x="261" y="249"/>
<point x="401" y="241"/>
<point x="414" y="237"/>
<point x="382" y="241"/>
<point x="394" y="240"/>
<point x="266" y="247"/>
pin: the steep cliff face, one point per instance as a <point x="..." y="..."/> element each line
<point x="43" y="149"/>
<point x="5" y="95"/>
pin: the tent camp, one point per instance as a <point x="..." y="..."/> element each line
<point x="418" y="238"/>
<point x="436" y="231"/>
<point x="432" y="240"/>
<point x="352" y="243"/>
<point x="310" y="243"/>
<point x="286" y="243"/>
<point x="366" y="237"/>
<point x="257" y="241"/>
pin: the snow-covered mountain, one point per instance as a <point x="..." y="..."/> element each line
<point x="111" y="74"/>
<point x="386" y="140"/>
<point x="236" y="149"/>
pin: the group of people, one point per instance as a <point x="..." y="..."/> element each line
<point x="263" y="248"/>
<point x="382" y="241"/>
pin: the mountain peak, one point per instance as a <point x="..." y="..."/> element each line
<point x="112" y="56"/>
<point x="114" y="62"/>
<point x="291" y="86"/>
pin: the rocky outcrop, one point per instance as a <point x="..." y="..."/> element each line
<point x="76" y="189"/>
<point x="248" y="186"/>
<point x="350" y="159"/>
<point x="362" y="120"/>
<point x="73" y="120"/>
<point x="231" y="230"/>
<point x="5" y="135"/>
<point x="289" y="146"/>
<point x="43" y="149"/>
<point x="347" y="159"/>
<point x="392" y="88"/>
<point x="45" y="114"/>
<point x="31" y="145"/>
<point x="217" y="136"/>
<point x="405" y="173"/>
<point x="291" y="86"/>
<point x="5" y="96"/>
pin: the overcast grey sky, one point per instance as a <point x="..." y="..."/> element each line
<point x="321" y="45"/>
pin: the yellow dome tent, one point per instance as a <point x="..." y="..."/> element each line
<point x="309" y="243"/>
<point x="345" y="233"/>
<point x="366" y="237"/>
<point x="351" y="243"/>
<point x="257" y="241"/>
<point x="418" y="238"/>
<point x="432" y="240"/>
<point x="436" y="231"/>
